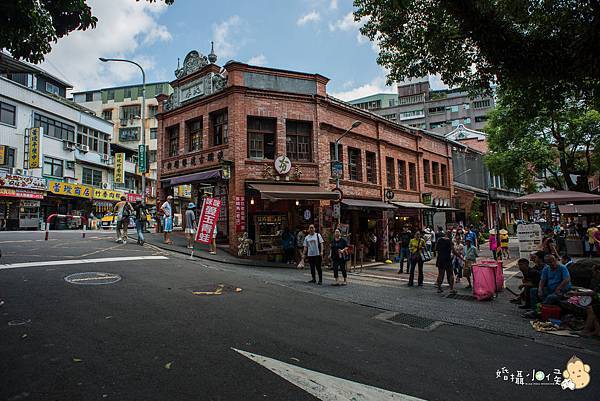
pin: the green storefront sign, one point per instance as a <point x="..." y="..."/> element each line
<point x="143" y="159"/>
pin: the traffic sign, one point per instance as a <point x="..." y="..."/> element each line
<point x="143" y="158"/>
<point x="337" y="169"/>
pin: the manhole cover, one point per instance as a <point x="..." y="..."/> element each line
<point x="93" y="278"/>
<point x="412" y="320"/>
<point x="461" y="297"/>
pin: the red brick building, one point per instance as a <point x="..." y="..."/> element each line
<point x="225" y="131"/>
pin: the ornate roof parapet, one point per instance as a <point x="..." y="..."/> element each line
<point x="193" y="62"/>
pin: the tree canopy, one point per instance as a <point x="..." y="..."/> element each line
<point x="532" y="138"/>
<point x="30" y="26"/>
<point x="472" y="43"/>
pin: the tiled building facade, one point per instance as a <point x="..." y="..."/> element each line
<point x="222" y="131"/>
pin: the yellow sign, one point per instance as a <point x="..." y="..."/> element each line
<point x="2" y="155"/>
<point x="119" y="168"/>
<point x="183" y="191"/>
<point x="107" y="194"/>
<point x="34" y="148"/>
<point x="66" y="188"/>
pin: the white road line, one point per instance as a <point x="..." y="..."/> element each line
<point x="326" y="387"/>
<point x="79" y="261"/>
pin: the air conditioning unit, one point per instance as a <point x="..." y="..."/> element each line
<point x="70" y="165"/>
<point x="15" y="171"/>
<point x="70" y="146"/>
<point x="105" y="158"/>
<point x="84" y="148"/>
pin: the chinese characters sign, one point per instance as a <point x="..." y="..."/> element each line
<point x="283" y="165"/>
<point x="192" y="91"/>
<point x="34" y="148"/>
<point x="107" y="194"/>
<point x="22" y="182"/>
<point x="143" y="158"/>
<point x="21" y="193"/>
<point x="208" y="220"/>
<point x="119" y="168"/>
<point x="66" y="188"/>
<point x="240" y="214"/>
<point x="2" y="155"/>
<point x="134" y="198"/>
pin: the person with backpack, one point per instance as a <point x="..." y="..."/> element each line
<point x="122" y="211"/>
<point x="313" y="248"/>
<point x="141" y="214"/>
<point x="339" y="248"/>
<point x="416" y="248"/>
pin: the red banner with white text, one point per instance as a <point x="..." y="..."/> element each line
<point x="208" y="220"/>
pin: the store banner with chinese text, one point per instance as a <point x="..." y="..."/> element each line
<point x="69" y="189"/>
<point x="211" y="208"/>
<point x="240" y="214"/>
<point x="22" y="182"/>
<point x="119" y="176"/>
<point x="34" y="148"/>
<point x="107" y="194"/>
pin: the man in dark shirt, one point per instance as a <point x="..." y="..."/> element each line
<point x="444" y="262"/>
<point x="405" y="238"/>
<point x="140" y="220"/>
<point x="531" y="279"/>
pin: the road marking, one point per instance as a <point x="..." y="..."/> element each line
<point x="79" y="261"/>
<point x="325" y="387"/>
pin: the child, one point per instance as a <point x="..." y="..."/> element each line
<point x="493" y="243"/>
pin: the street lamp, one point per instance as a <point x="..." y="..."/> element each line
<point x="337" y="158"/>
<point x="105" y="60"/>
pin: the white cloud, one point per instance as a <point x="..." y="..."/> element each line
<point x="124" y="28"/>
<point x="333" y="4"/>
<point x="222" y="36"/>
<point x="259" y="60"/>
<point x="312" y="16"/>
<point x="347" y="24"/>
<point x="377" y="85"/>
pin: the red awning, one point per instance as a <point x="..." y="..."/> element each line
<point x="558" y="197"/>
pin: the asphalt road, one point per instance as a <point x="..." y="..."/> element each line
<point x="148" y="337"/>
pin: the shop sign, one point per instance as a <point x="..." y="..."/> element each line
<point x="183" y="191"/>
<point x="21" y="193"/>
<point x="427" y="199"/>
<point x="132" y="198"/>
<point x="2" y="155"/>
<point x="34" y="148"/>
<point x="107" y="194"/>
<point x="30" y="203"/>
<point x="119" y="175"/>
<point x="337" y="210"/>
<point x="307" y="214"/>
<point x="211" y="208"/>
<point x="143" y="158"/>
<point x="389" y="194"/>
<point x="66" y="188"/>
<point x="22" y="182"/>
<point x="283" y="165"/>
<point x="270" y="219"/>
<point x="240" y="214"/>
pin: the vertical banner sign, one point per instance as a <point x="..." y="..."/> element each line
<point x="240" y="214"/>
<point x="119" y="168"/>
<point x="34" y="148"/>
<point x="142" y="158"/>
<point x="208" y="219"/>
<point x="2" y="155"/>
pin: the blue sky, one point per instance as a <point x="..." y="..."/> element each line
<point x="317" y="36"/>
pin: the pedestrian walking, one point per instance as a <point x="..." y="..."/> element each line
<point x="504" y="244"/>
<point x="428" y="238"/>
<point x="168" y="219"/>
<point x="470" y="258"/>
<point x="141" y="217"/>
<point x="592" y="229"/>
<point x="313" y="249"/>
<point x="416" y="248"/>
<point x="444" y="263"/>
<point x="122" y="212"/>
<point x="339" y="249"/>
<point x="493" y="243"/>
<point x="405" y="238"/>
<point x="190" y="225"/>
<point x="300" y="235"/>
<point x="213" y="241"/>
<point x="288" y="243"/>
<point x="458" y="258"/>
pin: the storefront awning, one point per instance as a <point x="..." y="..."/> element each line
<point x="412" y="205"/>
<point x="371" y="204"/>
<point x="447" y="209"/>
<point x="290" y="191"/>
<point x="579" y="209"/>
<point x="190" y="178"/>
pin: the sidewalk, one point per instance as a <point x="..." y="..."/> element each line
<point x="201" y="251"/>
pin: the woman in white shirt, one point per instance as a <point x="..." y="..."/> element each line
<point x="313" y="248"/>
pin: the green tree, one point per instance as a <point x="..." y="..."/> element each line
<point x="550" y="47"/>
<point x="475" y="214"/>
<point x="531" y="138"/>
<point x="28" y="27"/>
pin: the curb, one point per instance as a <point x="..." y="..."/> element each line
<point x="238" y="262"/>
